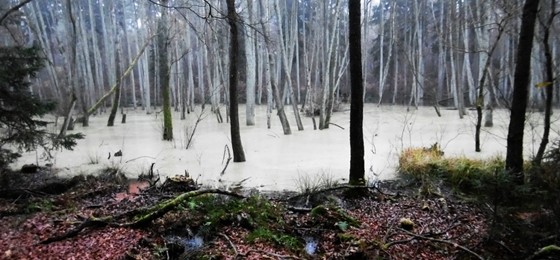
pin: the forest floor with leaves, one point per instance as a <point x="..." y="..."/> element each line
<point x="389" y="221"/>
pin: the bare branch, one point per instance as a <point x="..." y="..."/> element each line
<point x="13" y="9"/>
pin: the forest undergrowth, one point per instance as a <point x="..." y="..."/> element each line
<point x="421" y="216"/>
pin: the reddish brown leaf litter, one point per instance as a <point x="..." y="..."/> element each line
<point x="377" y="234"/>
<point x="22" y="241"/>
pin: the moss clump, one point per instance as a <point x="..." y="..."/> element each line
<point x="252" y="212"/>
<point x="266" y="235"/>
<point x="333" y="217"/>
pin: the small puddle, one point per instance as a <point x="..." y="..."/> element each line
<point x="134" y="188"/>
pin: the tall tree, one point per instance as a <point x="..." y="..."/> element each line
<point x="251" y="69"/>
<point x="514" y="155"/>
<point x="357" y="169"/>
<point x="236" y="145"/>
<point x="164" y="75"/>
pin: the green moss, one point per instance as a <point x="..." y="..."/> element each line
<point x="267" y="235"/>
<point x="252" y="212"/>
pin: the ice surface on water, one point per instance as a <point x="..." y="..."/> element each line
<point x="274" y="161"/>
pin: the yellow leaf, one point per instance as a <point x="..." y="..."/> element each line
<point x="543" y="84"/>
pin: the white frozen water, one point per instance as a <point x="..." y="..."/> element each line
<point x="276" y="161"/>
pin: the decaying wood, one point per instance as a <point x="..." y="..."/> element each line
<point x="140" y="217"/>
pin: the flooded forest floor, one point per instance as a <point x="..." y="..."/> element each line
<point x="389" y="220"/>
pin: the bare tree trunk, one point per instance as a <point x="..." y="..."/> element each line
<point x="287" y="59"/>
<point x="236" y="145"/>
<point x="271" y="67"/>
<point x="514" y="155"/>
<point x="548" y="84"/>
<point x="357" y="168"/>
<point x="72" y="79"/>
<point x="251" y="54"/>
<point x="117" y="95"/>
<point x="163" y="51"/>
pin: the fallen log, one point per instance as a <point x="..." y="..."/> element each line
<point x="140" y="217"/>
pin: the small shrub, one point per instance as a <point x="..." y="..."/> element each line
<point x="307" y="183"/>
<point x="94" y="158"/>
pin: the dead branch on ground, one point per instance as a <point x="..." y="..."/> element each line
<point x="141" y="217"/>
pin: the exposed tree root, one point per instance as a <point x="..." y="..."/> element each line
<point x="141" y="217"/>
<point x="550" y="249"/>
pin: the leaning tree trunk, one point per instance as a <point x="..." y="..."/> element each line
<point x="236" y="145"/>
<point x="275" y="93"/>
<point x="514" y="154"/>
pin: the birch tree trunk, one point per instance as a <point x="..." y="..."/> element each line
<point x="72" y="77"/>
<point x="275" y="92"/>
<point x="287" y="57"/>
<point x="250" y="53"/>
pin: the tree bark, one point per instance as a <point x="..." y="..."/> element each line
<point x="164" y="76"/>
<point x="237" y="146"/>
<point x="514" y="154"/>
<point x="357" y="168"/>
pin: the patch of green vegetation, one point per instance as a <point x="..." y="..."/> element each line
<point x="266" y="235"/>
<point x="464" y="174"/>
<point x="255" y="211"/>
<point x="43" y="205"/>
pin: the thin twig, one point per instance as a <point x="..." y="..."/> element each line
<point x="337" y="125"/>
<point x="226" y="149"/>
<point x="230" y="243"/>
<point x="444" y="242"/>
<point x="134" y="159"/>
<point x="13" y="9"/>
<point x="270" y="254"/>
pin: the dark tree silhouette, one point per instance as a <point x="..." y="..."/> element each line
<point x="20" y="109"/>
<point x="237" y="146"/>
<point x="357" y="87"/>
<point x="514" y="155"/>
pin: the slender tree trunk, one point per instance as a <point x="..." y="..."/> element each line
<point x="236" y="145"/>
<point x="72" y="79"/>
<point x="117" y="94"/>
<point x="275" y="92"/>
<point x="514" y="155"/>
<point x="357" y="168"/>
<point x="251" y="69"/>
<point x="548" y="84"/>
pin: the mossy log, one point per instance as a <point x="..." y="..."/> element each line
<point x="140" y="217"/>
